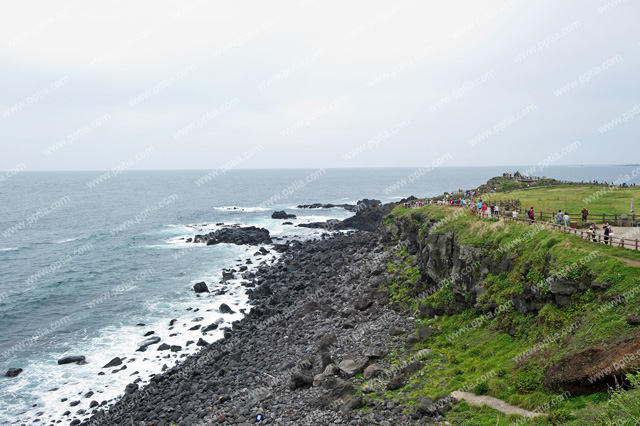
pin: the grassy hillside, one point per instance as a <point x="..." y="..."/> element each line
<point x="494" y="350"/>
<point x="572" y="198"/>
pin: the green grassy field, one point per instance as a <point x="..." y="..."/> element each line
<point x="483" y="359"/>
<point x="572" y="198"/>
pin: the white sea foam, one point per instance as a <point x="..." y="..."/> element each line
<point x="242" y="209"/>
<point x="10" y="249"/>
<point x="73" y="381"/>
<point x="68" y="240"/>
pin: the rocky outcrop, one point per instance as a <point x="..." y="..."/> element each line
<point x="369" y="216"/>
<point x="349" y="207"/>
<point x="72" y="359"/>
<point x="235" y="235"/>
<point x="282" y="215"/>
<point x="201" y="287"/>
<point x="13" y="372"/>
<point x="595" y="369"/>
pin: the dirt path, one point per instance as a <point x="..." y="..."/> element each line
<point x="627" y="261"/>
<point x="495" y="403"/>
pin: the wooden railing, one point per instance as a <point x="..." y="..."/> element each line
<point x="620" y="241"/>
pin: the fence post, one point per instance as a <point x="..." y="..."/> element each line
<point x="603" y="219"/>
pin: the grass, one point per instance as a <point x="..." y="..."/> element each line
<point x="483" y="358"/>
<point x="598" y="199"/>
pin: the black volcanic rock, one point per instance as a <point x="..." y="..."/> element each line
<point x="282" y="215"/>
<point x="113" y="363"/>
<point x="235" y="235"/>
<point x="201" y="287"/>
<point x="13" y="372"/>
<point x="70" y="359"/>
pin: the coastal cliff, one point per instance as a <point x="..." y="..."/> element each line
<point x="386" y="326"/>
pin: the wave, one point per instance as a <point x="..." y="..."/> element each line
<point x="68" y="240"/>
<point x="10" y="249"/>
<point x="243" y="209"/>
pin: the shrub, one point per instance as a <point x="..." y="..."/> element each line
<point x="481" y="388"/>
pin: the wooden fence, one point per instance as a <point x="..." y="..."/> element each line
<point x="620" y="241"/>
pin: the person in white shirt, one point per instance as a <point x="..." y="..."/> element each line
<point x="514" y="214"/>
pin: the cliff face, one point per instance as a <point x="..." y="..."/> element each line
<point x="442" y="259"/>
<point x="532" y="278"/>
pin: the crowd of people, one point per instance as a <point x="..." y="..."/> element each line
<point x="494" y="210"/>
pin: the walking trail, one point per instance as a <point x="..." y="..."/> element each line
<point x="494" y="403"/>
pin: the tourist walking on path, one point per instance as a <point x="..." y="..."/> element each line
<point x="493" y="208"/>
<point x="592" y="231"/>
<point x="497" y="211"/>
<point x="532" y="215"/>
<point x="514" y="214"/>
<point x="566" y="219"/>
<point x="607" y="231"/>
<point x="585" y="213"/>
<point x="559" y="217"/>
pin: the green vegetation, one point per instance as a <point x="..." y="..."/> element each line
<point x="488" y="358"/>
<point x="600" y="199"/>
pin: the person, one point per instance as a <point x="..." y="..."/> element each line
<point x="497" y="211"/>
<point x="559" y="217"/>
<point x="532" y="215"/>
<point x="566" y="219"/>
<point x="607" y="231"/>
<point x="585" y="213"/>
<point x="479" y="205"/>
<point x="592" y="231"/>
<point x="514" y="214"/>
<point x="493" y="208"/>
<point x="484" y="209"/>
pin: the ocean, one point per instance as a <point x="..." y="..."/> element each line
<point x="86" y="257"/>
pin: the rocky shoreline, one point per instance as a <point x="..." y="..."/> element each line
<point x="320" y="325"/>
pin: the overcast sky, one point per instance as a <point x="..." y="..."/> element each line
<point x="314" y="83"/>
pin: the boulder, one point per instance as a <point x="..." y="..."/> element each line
<point x="202" y="342"/>
<point x="13" y="372"/>
<point x="326" y="342"/>
<point x="70" y="359"/>
<point x="424" y="332"/>
<point x="225" y="309"/>
<point x="164" y="347"/>
<point x="201" y="287"/>
<point x="131" y="388"/>
<point x="563" y="286"/>
<point x="428" y="407"/>
<point x="354" y="403"/>
<point x="282" y="215"/>
<point x="210" y="327"/>
<point x="394" y="330"/>
<point x="397" y="382"/>
<point x="300" y="378"/>
<point x="147" y="343"/>
<point x="353" y="364"/>
<point x="372" y="371"/>
<point x="113" y="363"/>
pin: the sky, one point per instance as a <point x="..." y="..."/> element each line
<point x="200" y="84"/>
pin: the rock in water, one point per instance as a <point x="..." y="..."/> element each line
<point x="201" y="287"/>
<point x="148" y="342"/>
<point x="282" y="215"/>
<point x="70" y="359"/>
<point x="13" y="372"/>
<point x="225" y="309"/>
<point x="248" y="235"/>
<point x="113" y="363"/>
